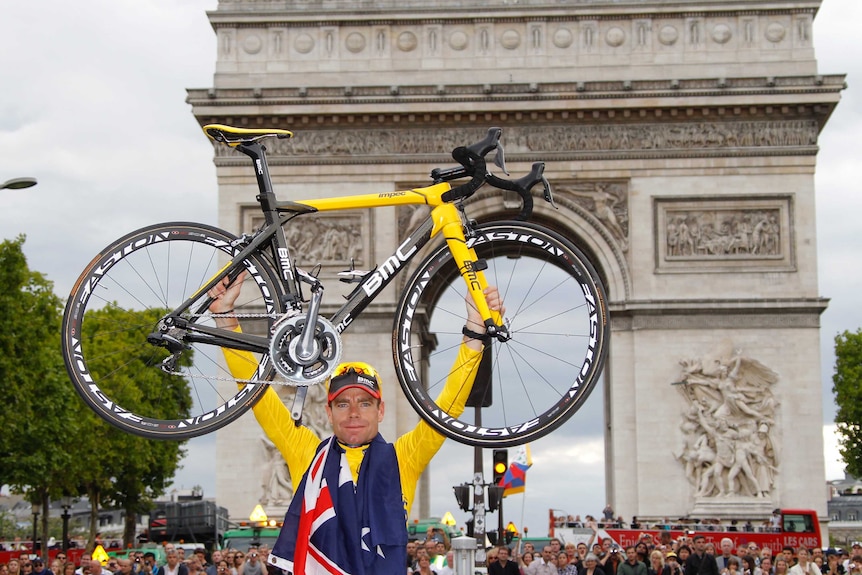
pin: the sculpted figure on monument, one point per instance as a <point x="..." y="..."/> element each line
<point x="276" y="487"/>
<point x="728" y="449"/>
<point x="331" y="240"/>
<point x="607" y="202"/>
<point x="275" y="478"/>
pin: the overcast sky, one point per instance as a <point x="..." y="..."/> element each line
<point x="92" y="103"/>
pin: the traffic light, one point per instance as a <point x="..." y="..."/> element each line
<point x="495" y="496"/>
<point x="462" y="496"/>
<point x="500" y="465"/>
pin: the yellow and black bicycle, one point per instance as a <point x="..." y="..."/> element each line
<point x="144" y="351"/>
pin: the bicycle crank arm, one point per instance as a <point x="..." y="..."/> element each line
<point x="298" y="402"/>
<point x="306" y="348"/>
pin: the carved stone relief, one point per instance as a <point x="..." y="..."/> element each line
<point x="332" y="240"/>
<point x="685" y="137"/>
<point x="741" y="233"/>
<point x="728" y="429"/>
<point x="607" y="201"/>
<point x="276" y="485"/>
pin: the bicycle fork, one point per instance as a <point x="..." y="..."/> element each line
<point x="470" y="266"/>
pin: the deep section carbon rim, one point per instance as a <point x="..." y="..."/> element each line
<point x="530" y="385"/>
<point x="118" y="301"/>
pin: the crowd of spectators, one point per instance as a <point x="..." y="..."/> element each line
<point x="176" y="562"/>
<point x="651" y="555"/>
<point x="685" y="556"/>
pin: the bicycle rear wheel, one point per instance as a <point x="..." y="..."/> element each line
<point x="118" y="301"/>
<point x="530" y="385"/>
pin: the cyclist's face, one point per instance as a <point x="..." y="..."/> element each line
<point x="355" y="416"/>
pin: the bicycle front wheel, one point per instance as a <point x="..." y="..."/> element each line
<point x="529" y="385"/>
<point x="117" y="303"/>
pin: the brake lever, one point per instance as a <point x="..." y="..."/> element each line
<point x="549" y="194"/>
<point x="500" y="159"/>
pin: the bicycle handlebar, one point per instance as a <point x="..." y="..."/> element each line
<point x="473" y="164"/>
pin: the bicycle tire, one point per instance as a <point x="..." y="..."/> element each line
<point x="556" y="309"/>
<point x="117" y="302"/>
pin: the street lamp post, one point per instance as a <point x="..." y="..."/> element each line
<point x="18" y="183"/>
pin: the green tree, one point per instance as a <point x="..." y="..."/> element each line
<point x="36" y="415"/>
<point x="50" y="444"/>
<point x="847" y="386"/>
<point x="139" y="469"/>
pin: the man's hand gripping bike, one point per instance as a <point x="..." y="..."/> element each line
<point x="144" y="351"/>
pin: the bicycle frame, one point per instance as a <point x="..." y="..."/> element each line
<point x="445" y="218"/>
<point x="129" y="292"/>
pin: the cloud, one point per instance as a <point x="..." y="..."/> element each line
<point x="834" y="463"/>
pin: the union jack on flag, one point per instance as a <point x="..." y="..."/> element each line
<point x="336" y="527"/>
<point x="316" y="551"/>
<point x="515" y="478"/>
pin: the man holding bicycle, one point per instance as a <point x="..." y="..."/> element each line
<point x="353" y="491"/>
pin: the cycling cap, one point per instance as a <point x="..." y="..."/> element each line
<point x="354" y="374"/>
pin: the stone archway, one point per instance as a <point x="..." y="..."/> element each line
<point x="671" y="129"/>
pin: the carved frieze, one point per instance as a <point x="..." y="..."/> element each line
<point x="722" y="234"/>
<point x="683" y="138"/>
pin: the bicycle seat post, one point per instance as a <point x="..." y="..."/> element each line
<point x="257" y="152"/>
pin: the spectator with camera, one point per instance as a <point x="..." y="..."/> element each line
<point x="610" y="559"/>
<point x="672" y="565"/>
<point x="149" y="565"/>
<point x="252" y="564"/>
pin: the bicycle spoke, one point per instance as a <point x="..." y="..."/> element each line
<point x="124" y="298"/>
<point x="533" y="389"/>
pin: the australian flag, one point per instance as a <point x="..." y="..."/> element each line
<point x="336" y="527"/>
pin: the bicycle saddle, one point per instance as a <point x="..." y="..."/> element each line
<point x="235" y="136"/>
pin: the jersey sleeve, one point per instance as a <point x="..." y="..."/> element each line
<point x="417" y="447"/>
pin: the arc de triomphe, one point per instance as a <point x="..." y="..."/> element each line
<point x="681" y="137"/>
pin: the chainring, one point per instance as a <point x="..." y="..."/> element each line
<point x="325" y="355"/>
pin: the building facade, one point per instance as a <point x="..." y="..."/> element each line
<point x="681" y="138"/>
